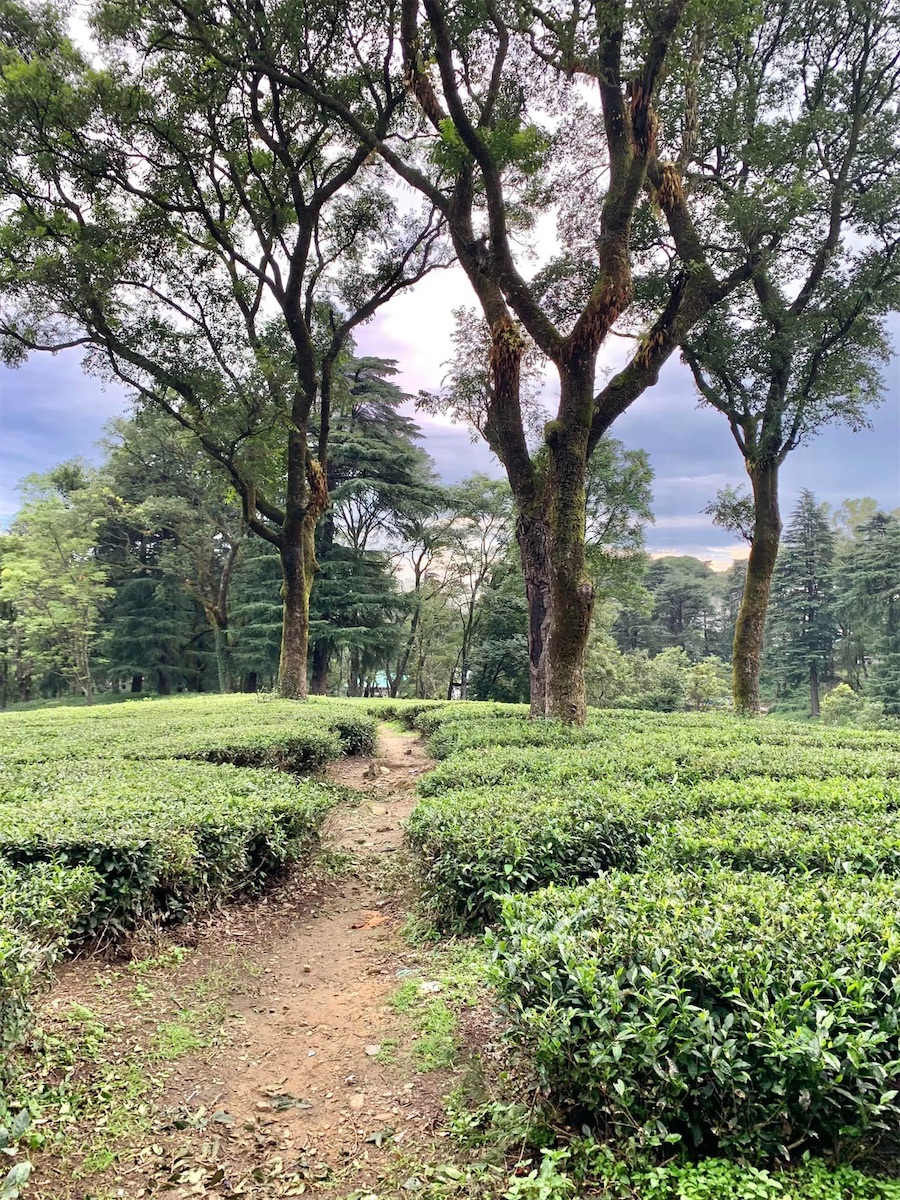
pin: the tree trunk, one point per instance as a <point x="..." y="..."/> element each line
<point x="306" y="501"/>
<point x="814" y="689"/>
<point x="320" y="660"/>
<point x="353" y="672"/>
<point x="297" y="566"/>
<point x="571" y="590"/>
<point x="137" y="683"/>
<point x="533" y="536"/>
<point x="163" y="683"/>
<point x="751" y="621"/>
<point x="223" y="666"/>
<point x="251" y="683"/>
<point x="403" y="661"/>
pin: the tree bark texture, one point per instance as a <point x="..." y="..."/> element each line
<point x="298" y="565"/>
<point x="533" y="537"/>
<point x="307" y="499"/>
<point x="321" y="657"/>
<point x="223" y="655"/>
<point x="751" y="621"/>
<point x="571" y="589"/>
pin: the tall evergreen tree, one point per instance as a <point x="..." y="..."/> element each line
<point x="872" y="587"/>
<point x="256" y="614"/>
<point x="378" y="475"/>
<point x="802" y="626"/>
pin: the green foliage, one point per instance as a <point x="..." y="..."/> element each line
<point x="230" y="729"/>
<point x="684" y="610"/>
<point x="163" y="838"/>
<point x="719" y="1179"/>
<point x="39" y="907"/>
<point x="802" y="628"/>
<point x="52" y="575"/>
<point x="475" y="846"/>
<point x="870" y="580"/>
<point x="727" y="1010"/>
<point x="516" y="805"/>
<point x="728" y="981"/>
<point x="843" y="706"/>
<point x="99" y="788"/>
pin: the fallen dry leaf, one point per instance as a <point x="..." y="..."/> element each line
<point x="372" y="920"/>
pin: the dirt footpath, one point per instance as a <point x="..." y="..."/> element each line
<point x="297" y="1074"/>
<point x="312" y="1031"/>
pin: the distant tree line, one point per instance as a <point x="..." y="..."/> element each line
<point x="142" y="576"/>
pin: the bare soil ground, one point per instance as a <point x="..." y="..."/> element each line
<point x="254" y="1053"/>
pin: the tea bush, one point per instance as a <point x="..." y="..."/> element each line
<point x="856" y="843"/>
<point x="39" y="907"/>
<point x="719" y="1179"/>
<point x="473" y="847"/>
<point x="730" y="1011"/>
<point x="673" y="759"/>
<point x="236" y="729"/>
<point x="162" y="837"/>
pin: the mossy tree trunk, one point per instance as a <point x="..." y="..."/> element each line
<point x="307" y="499"/>
<point x="751" y="621"/>
<point x="533" y="537"/>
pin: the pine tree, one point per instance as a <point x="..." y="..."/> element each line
<point x="256" y="614"/>
<point x="872" y="588"/>
<point x="802" y="625"/>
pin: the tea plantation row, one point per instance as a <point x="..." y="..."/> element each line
<point x="695" y="921"/>
<point x="151" y="810"/>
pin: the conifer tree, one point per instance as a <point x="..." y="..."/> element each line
<point x="802" y="626"/>
<point x="872" y="588"/>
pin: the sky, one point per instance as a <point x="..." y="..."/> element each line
<point x="50" y="411"/>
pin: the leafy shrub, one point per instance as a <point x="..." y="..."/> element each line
<point x="719" y="1179"/>
<point x="843" y="706"/>
<point x="681" y="761"/>
<point x="859" y="844"/>
<point x="357" y="731"/>
<point x="735" y="1011"/>
<point x="235" y="729"/>
<point x="428" y="720"/>
<point x="452" y="736"/>
<point x="476" y="846"/>
<point x="38" y="908"/>
<point x="162" y="837"/>
<point x="304" y="752"/>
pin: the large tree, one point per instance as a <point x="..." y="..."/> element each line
<point x="209" y="237"/>
<point x="801" y="346"/>
<point x="484" y="143"/>
<point x="378" y="476"/>
<point x="181" y="522"/>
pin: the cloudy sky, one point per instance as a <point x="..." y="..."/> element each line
<point x="50" y="410"/>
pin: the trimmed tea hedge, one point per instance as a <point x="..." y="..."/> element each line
<point x="162" y="837"/>
<point x="675" y="759"/>
<point x="718" y="1179"/>
<point x="731" y="1011"/>
<point x="473" y="847"/>
<point x="236" y="729"/>
<point x="855" y="843"/>
<point x="39" y="907"/>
